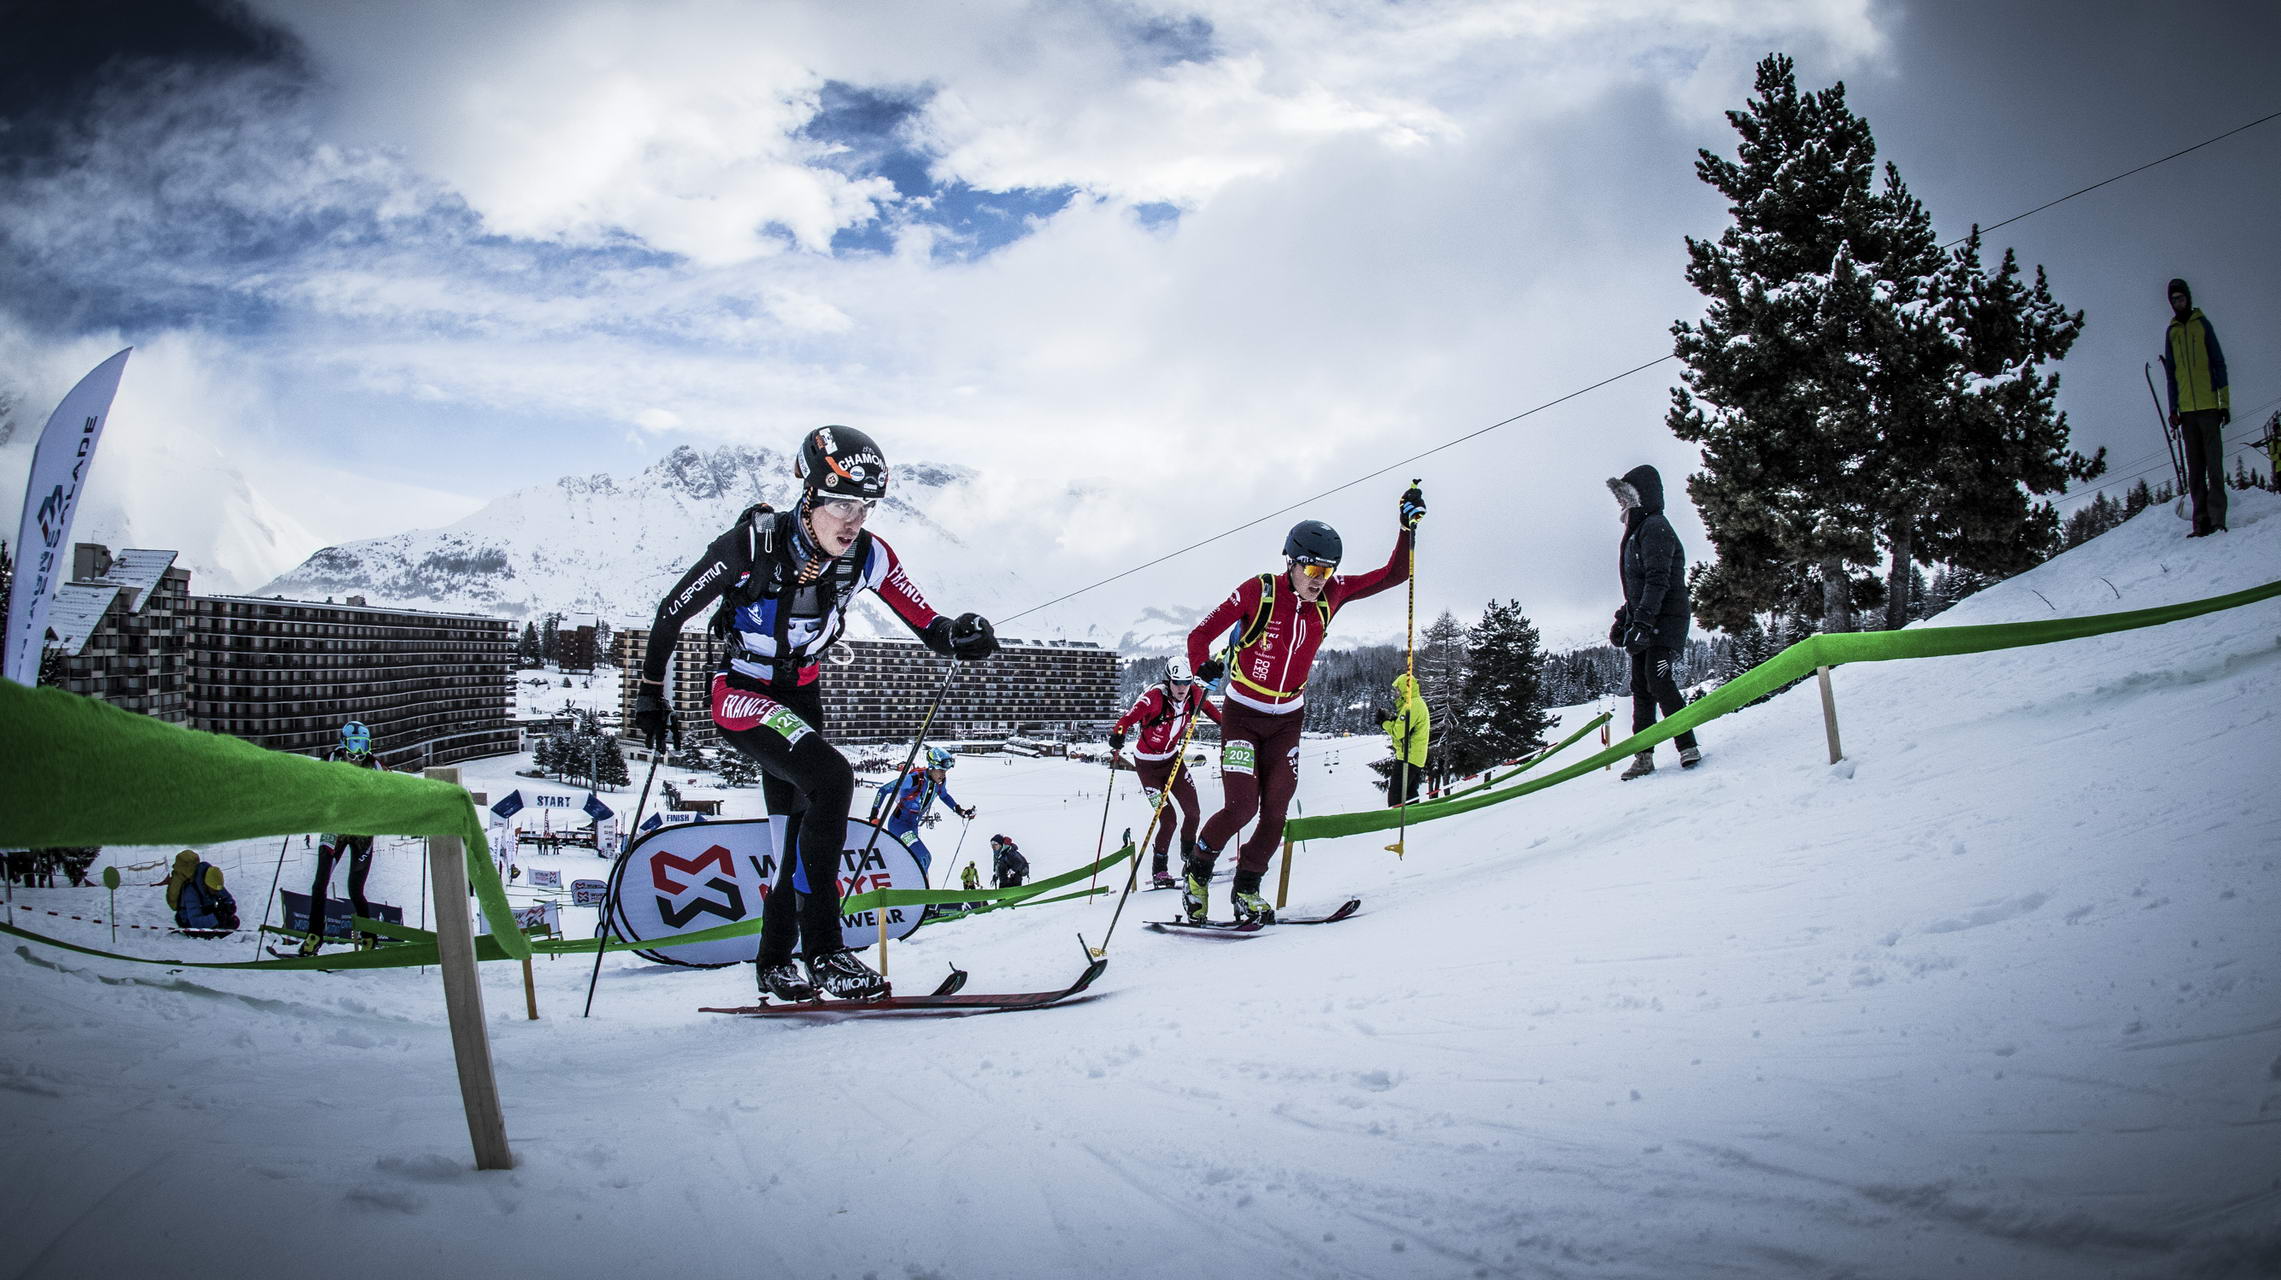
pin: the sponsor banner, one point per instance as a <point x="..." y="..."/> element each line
<point x="549" y="800"/>
<point x="51" y="498"/>
<point x="337" y="913"/>
<point x="588" y="893"/>
<point x="543" y="879"/>
<point x="683" y="879"/>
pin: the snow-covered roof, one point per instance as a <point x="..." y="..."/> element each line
<point x="76" y="611"/>
<point x="139" y="570"/>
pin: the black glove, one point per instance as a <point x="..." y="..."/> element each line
<point x="1616" y="632"/>
<point x="2225" y="417"/>
<point x="1413" y="508"/>
<point x="971" y="638"/>
<point x="652" y="719"/>
<point x="1116" y="740"/>
<point x="967" y="813"/>
<point x="1211" y="669"/>
<point x="1381" y="714"/>
<point x="1639" y="638"/>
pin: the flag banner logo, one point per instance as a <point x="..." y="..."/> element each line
<point x="679" y="879"/>
<point x="51" y="498"/>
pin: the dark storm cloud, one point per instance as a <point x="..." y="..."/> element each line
<point x="62" y="57"/>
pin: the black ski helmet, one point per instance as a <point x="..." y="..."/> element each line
<point x="1313" y="542"/>
<point x="841" y="462"/>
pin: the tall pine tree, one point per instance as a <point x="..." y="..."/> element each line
<point x="1503" y="713"/>
<point x="1442" y="664"/>
<point x="1775" y="388"/>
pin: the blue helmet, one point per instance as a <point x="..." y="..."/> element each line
<point x="937" y="758"/>
<point x="355" y="738"/>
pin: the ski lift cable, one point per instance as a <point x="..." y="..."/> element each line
<point x="1614" y="378"/>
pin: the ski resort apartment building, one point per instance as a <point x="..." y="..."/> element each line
<point x="285" y="674"/>
<point x="1042" y="688"/>
<point x="119" y="631"/>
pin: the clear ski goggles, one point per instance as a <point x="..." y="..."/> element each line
<point x="1314" y="570"/>
<point x="847" y="510"/>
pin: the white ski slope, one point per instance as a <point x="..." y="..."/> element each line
<point x="1999" y="996"/>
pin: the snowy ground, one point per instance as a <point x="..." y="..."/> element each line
<point x="541" y="693"/>
<point x="2000" y="995"/>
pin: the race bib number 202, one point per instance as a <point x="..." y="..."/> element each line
<point x="1237" y="756"/>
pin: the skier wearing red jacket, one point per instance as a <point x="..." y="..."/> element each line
<point x="1162" y="715"/>
<point x="1283" y="617"/>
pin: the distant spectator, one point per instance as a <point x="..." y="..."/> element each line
<point x="194" y="891"/>
<point x="2201" y="406"/>
<point x="1410" y="726"/>
<point x="1008" y="865"/>
<point x="1652" y="625"/>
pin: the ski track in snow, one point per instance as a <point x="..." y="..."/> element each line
<point x="1994" y="997"/>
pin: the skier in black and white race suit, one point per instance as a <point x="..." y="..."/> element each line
<point x="784" y="580"/>
<point x="355" y="749"/>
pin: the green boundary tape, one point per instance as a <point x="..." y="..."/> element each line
<point x="1795" y="662"/>
<point x="82" y="772"/>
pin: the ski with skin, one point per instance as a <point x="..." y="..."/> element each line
<point x="950" y="1001"/>
<point x="1347" y="908"/>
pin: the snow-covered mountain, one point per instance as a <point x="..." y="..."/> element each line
<point x="611" y="545"/>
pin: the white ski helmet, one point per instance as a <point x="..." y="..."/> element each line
<point x="1176" y="671"/>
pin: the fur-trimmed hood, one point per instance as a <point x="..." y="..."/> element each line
<point x="1641" y="488"/>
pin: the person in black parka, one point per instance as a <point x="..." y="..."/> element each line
<point x="1652" y="625"/>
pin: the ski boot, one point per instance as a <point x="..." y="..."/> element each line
<point x="844" y="975"/>
<point x="1163" y="880"/>
<point x="1195" y="890"/>
<point x="1689" y="757"/>
<point x="783" y="980"/>
<point x="363" y="941"/>
<point x="1246" y="900"/>
<point x="310" y="944"/>
<point x="1643" y="764"/>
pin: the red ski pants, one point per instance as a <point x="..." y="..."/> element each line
<point x="1259" y="772"/>
<point x="1153" y="774"/>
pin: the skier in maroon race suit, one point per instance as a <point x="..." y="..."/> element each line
<point x="1284" y="617"/>
<point x="1162" y="715"/>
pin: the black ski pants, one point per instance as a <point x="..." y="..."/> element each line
<point x="1653" y="688"/>
<point x="358" y="849"/>
<point x="2204" y="439"/>
<point x="808" y="786"/>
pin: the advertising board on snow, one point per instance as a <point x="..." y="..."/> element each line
<point x="684" y="879"/>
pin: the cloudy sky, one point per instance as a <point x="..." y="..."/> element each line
<point x="1195" y="262"/>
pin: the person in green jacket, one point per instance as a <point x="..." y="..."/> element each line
<point x="1410" y="725"/>
<point x="2201" y="406"/>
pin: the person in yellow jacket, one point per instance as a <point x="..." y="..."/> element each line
<point x="2201" y="406"/>
<point x="194" y="891"/>
<point x="1410" y="725"/>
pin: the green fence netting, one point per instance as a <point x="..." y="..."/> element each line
<point x="1792" y="663"/>
<point x="81" y="772"/>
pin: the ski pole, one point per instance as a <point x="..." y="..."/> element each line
<point x="274" y="877"/>
<point x="965" y="825"/>
<point x="610" y="897"/>
<point x="1163" y="798"/>
<point x="880" y="914"/>
<point x="1410" y="667"/>
<point x="2169" y="437"/>
<point x="1101" y="842"/>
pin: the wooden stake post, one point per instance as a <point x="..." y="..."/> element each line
<point x="1829" y="714"/>
<point x="463" y="998"/>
